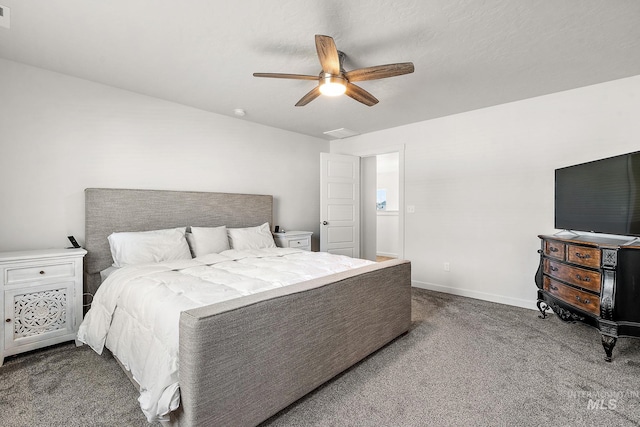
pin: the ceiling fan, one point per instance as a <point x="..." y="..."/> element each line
<point x="333" y="80"/>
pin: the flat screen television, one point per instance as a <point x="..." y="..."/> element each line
<point x="602" y="196"/>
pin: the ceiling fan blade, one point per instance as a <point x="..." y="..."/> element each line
<point x="360" y="95"/>
<point x="379" y="72"/>
<point x="313" y="94"/>
<point x="328" y="54"/>
<point x="286" y="76"/>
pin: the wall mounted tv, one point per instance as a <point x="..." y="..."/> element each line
<point x="602" y="196"/>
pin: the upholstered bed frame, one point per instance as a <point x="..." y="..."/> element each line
<point x="243" y="360"/>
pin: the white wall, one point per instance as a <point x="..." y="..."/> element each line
<point x="482" y="182"/>
<point x="60" y="135"/>
<point x="388" y="227"/>
<point x="388" y="166"/>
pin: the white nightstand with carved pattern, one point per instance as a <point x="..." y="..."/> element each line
<point x="41" y="298"/>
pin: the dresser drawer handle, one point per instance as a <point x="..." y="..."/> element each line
<point x="553" y="288"/>
<point x="584" y="279"/>
<point x="552" y="249"/>
<point x="584" y="301"/>
<point x="41" y="271"/>
<point x="583" y="256"/>
<point x="552" y="268"/>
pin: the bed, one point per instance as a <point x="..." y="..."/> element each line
<point x="243" y="360"/>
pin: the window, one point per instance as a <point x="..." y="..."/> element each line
<point x="381" y="199"/>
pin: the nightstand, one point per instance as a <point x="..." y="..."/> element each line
<point x="294" y="239"/>
<point x="41" y="299"/>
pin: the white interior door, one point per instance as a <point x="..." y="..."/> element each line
<point x="340" y="204"/>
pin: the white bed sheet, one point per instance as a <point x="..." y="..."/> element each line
<point x="135" y="312"/>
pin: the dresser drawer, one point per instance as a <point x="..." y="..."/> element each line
<point x="589" y="257"/>
<point x="576" y="276"/>
<point x="32" y="272"/>
<point x="582" y="300"/>
<point x="298" y="243"/>
<point x="554" y="249"/>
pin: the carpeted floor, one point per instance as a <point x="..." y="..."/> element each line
<point x="464" y="362"/>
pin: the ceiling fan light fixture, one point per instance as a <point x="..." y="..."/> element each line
<point x="333" y="80"/>
<point x="333" y="86"/>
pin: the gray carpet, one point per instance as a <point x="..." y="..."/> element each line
<point x="465" y="362"/>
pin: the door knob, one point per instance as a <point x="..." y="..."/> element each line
<point x="325" y="223"/>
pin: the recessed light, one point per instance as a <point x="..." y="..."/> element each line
<point x="239" y="112"/>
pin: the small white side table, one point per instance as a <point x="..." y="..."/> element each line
<point x="294" y="239"/>
<point x="40" y="299"/>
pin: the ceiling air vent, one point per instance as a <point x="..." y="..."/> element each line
<point x="341" y="133"/>
<point x="5" y="17"/>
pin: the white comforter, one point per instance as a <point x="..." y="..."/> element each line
<point x="136" y="311"/>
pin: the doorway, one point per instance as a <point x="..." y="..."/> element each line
<point x="382" y="198"/>
<point x="387" y="205"/>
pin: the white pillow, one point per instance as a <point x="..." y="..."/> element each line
<point x="251" y="237"/>
<point x="208" y="240"/>
<point x="143" y="247"/>
<point x="106" y="273"/>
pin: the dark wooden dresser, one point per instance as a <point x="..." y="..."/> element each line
<point x="592" y="279"/>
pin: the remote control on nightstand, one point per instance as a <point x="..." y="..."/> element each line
<point x="73" y="241"/>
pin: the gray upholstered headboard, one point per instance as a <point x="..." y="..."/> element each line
<point x="110" y="210"/>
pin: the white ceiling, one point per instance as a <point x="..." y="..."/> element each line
<point x="468" y="54"/>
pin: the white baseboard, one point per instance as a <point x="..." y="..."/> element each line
<point x="517" y="302"/>
<point x="387" y="254"/>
